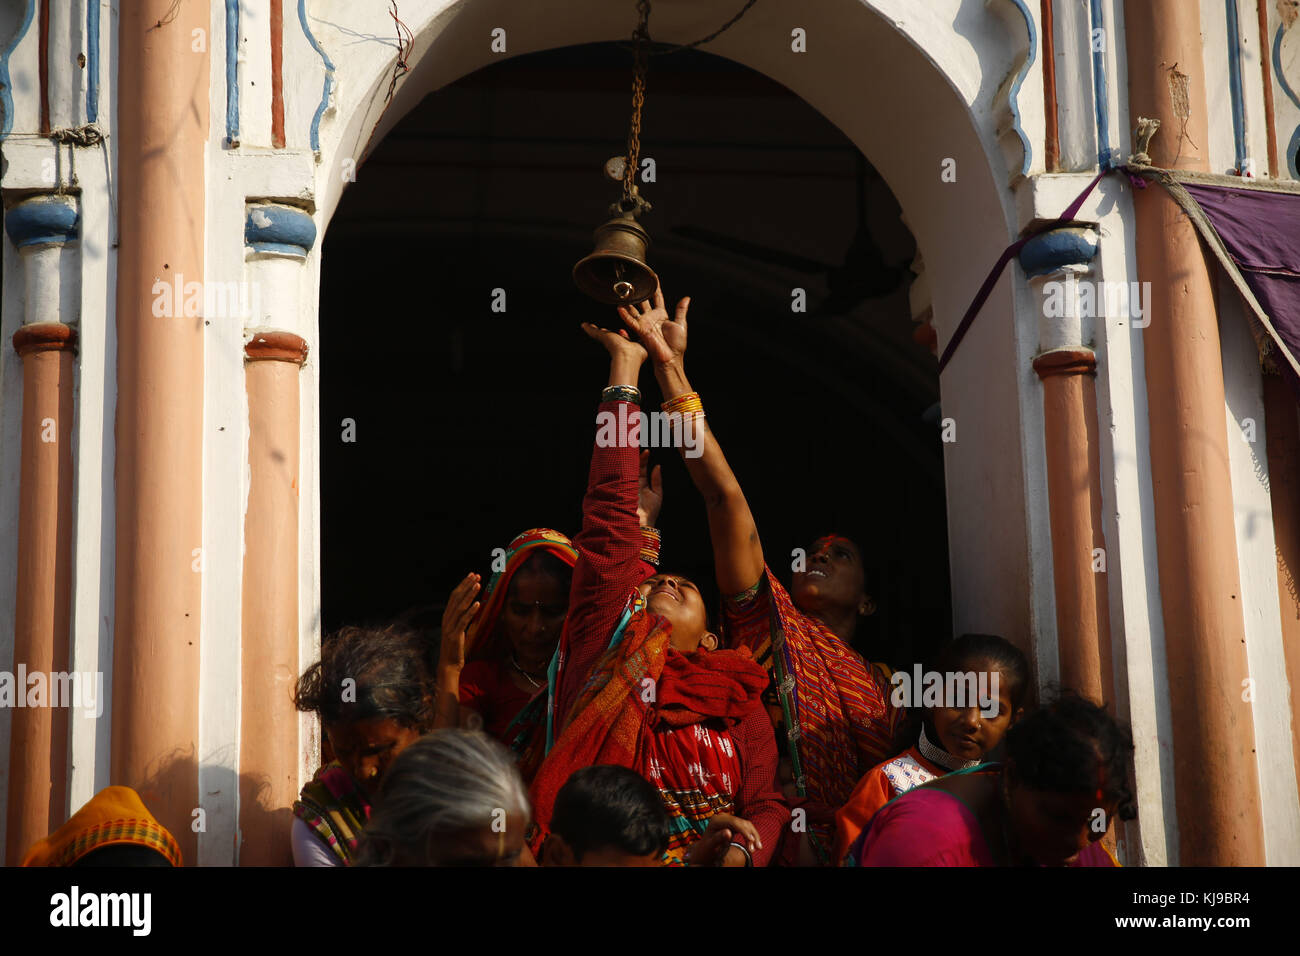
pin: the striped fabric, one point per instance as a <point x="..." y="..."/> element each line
<point x="700" y="755"/>
<point x="834" y="704"/>
<point x="135" y="832"/>
<point x="336" y="810"/>
<point x="679" y="738"/>
<point x="115" y="815"/>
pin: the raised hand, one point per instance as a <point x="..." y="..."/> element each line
<point x="461" y="610"/>
<point x="617" y="344"/>
<point x="664" y="338"/>
<point x="650" y="493"/>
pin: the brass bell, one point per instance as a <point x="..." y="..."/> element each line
<point x="616" y="272"/>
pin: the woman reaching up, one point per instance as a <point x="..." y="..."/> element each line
<point x="645" y="685"/>
<point x="834" y="705"/>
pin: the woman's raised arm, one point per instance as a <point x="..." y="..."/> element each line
<point x="609" y="543"/>
<point x="737" y="552"/>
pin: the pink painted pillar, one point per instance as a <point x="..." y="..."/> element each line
<point x="44" y="229"/>
<point x="278" y="239"/>
<point x="162" y="140"/>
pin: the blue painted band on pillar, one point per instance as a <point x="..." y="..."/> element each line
<point x="1070" y="245"/>
<point x="42" y="220"/>
<point x="283" y="229"/>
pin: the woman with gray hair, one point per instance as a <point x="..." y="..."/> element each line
<point x="452" y="798"/>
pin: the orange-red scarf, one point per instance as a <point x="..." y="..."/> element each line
<point x="641" y="684"/>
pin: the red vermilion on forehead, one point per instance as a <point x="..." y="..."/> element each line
<point x="833" y="539"/>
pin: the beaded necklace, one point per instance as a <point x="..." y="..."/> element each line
<point x="937" y="755"/>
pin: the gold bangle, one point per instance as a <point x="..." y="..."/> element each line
<point x="685" y="404"/>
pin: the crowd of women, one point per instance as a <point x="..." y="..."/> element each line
<point x="584" y="707"/>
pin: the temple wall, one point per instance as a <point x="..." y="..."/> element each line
<point x="299" y="139"/>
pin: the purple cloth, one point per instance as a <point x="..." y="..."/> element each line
<point x="1261" y="231"/>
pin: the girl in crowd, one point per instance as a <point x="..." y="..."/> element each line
<point x="498" y="676"/>
<point x="453" y="798"/>
<point x="834" y="710"/>
<point x="1065" y="778"/>
<point x="952" y="737"/>
<point x="645" y="686"/>
<point x="373" y="694"/>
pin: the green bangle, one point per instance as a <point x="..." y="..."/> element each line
<point x="621" y="393"/>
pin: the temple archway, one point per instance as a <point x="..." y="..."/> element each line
<point x="480" y="424"/>
<point x="993" y="475"/>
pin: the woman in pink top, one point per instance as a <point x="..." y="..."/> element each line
<point x="1049" y="804"/>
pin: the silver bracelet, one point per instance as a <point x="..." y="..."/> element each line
<point x="621" y="393"/>
<point x="749" y="860"/>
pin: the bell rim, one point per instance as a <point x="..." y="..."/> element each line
<point x="613" y="255"/>
<point x="641" y="263"/>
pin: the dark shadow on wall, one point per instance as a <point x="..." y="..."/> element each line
<point x="262" y="829"/>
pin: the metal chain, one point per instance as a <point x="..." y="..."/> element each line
<point x="641" y="35"/>
<point x="641" y="38"/>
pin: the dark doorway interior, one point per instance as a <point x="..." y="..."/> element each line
<point x="473" y="425"/>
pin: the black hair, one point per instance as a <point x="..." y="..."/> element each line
<point x="1072" y="745"/>
<point x="959" y="654"/>
<point x="388" y="672"/>
<point x="610" y="806"/>
<point x="123" y="854"/>
<point x="426" y="621"/>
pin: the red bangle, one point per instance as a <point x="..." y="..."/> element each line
<point x="650" y="543"/>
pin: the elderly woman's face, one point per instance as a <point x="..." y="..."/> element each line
<point x="365" y="748"/>
<point x="499" y="843"/>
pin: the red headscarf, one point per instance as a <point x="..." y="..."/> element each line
<point x="483" y="640"/>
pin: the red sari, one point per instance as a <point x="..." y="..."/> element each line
<point x="513" y="716"/>
<point x="693" y="724"/>
<point x="834" y="704"/>
<point x="669" y="717"/>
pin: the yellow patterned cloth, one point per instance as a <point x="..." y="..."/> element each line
<point x="115" y="815"/>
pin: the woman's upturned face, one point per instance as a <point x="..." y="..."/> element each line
<point x="833" y="580"/>
<point x="366" y="748"/>
<point x="533" y="615"/>
<point x="678" y="599"/>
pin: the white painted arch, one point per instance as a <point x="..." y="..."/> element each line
<point x="911" y="85"/>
